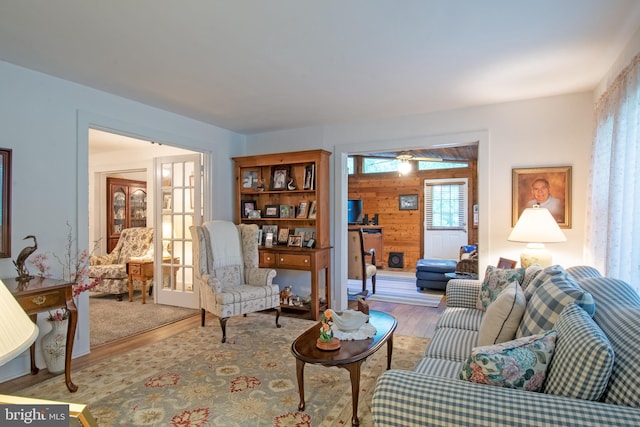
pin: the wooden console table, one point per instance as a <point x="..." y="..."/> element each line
<point x="38" y="295"/>
<point x="304" y="259"/>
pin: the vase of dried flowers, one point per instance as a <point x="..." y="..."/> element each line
<point x="54" y="342"/>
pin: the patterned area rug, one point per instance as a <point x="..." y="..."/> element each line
<point x="192" y="379"/>
<point x="400" y="290"/>
<point x="133" y="317"/>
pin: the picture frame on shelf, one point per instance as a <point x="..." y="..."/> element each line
<point x="272" y="211"/>
<point x="312" y="210"/>
<point x="295" y="241"/>
<point x="255" y="214"/>
<point x="309" y="177"/>
<point x="306" y="233"/>
<point x="250" y="179"/>
<point x="273" y="229"/>
<point x="246" y="206"/>
<point x="285" y="211"/>
<point x="549" y="187"/>
<point x="408" y="202"/>
<point x="279" y="178"/>
<point x="260" y="237"/>
<point x="283" y="236"/>
<point x="311" y="244"/>
<point x="302" y="210"/>
<point x="268" y="240"/>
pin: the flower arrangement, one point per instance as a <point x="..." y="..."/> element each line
<point x="74" y="268"/>
<point x="326" y="333"/>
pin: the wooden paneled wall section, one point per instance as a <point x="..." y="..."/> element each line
<point x="403" y="231"/>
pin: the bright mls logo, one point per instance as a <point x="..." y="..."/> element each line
<point x="34" y="415"/>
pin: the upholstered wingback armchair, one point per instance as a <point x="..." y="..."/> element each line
<point x="358" y="266"/>
<point x="227" y="277"/>
<point x="133" y="242"/>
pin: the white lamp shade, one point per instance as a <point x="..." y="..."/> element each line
<point x="537" y="225"/>
<point x="18" y="332"/>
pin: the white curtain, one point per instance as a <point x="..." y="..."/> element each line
<point x="613" y="205"/>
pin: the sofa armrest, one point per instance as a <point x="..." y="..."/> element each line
<point x="403" y="398"/>
<point x="259" y="276"/>
<point x="463" y="292"/>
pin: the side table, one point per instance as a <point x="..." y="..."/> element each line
<point x="38" y="295"/>
<point x="142" y="270"/>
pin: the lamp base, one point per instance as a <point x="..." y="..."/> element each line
<point x="535" y="253"/>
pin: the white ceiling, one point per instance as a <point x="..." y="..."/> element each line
<point x="254" y="65"/>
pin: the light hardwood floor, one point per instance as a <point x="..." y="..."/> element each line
<point x="412" y="321"/>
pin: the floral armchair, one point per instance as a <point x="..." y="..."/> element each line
<point x="227" y="277"/>
<point x="133" y="242"/>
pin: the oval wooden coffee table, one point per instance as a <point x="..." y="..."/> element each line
<point x="349" y="356"/>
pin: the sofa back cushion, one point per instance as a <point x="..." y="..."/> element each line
<point x="548" y="301"/>
<point x="583" y="358"/>
<point x="501" y="320"/>
<point x="495" y="280"/>
<point x="579" y="272"/>
<point x="618" y="315"/>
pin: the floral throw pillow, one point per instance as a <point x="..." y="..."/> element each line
<point x="495" y="280"/>
<point x="521" y="363"/>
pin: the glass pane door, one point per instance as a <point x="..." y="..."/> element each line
<point x="178" y="201"/>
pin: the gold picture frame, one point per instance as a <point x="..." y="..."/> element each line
<point x="550" y="187"/>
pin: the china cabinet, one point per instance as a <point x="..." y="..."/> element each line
<point x="126" y="207"/>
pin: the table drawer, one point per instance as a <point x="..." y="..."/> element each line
<point x="294" y="260"/>
<point x="36" y="303"/>
<point x="135" y="269"/>
<point x="268" y="259"/>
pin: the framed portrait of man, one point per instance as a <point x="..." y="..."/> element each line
<point x="548" y="187"/>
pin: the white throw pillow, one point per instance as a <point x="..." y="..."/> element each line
<point x="502" y="318"/>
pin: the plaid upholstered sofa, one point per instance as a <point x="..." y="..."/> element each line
<point x="585" y="328"/>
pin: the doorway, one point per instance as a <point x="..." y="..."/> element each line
<point x="111" y="154"/>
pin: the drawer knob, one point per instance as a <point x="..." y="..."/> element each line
<point x="39" y="300"/>
<point x="306" y="261"/>
<point x="281" y="259"/>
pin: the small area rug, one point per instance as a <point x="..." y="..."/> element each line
<point x="111" y="320"/>
<point x="400" y="290"/>
<point x="192" y="379"/>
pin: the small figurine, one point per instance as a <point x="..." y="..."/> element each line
<point x="260" y="186"/>
<point x="23" y="272"/>
<point x="291" y="185"/>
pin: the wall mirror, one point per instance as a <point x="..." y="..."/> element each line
<point x="5" y="203"/>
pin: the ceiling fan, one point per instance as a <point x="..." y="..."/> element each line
<point x="406" y="156"/>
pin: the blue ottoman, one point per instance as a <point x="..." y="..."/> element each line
<point x="430" y="273"/>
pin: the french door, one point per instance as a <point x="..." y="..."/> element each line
<point x="179" y="206"/>
<point x="445" y="217"/>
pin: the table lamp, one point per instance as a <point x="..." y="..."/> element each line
<point x="536" y="227"/>
<point x="18" y="332"/>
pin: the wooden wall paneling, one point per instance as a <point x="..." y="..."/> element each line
<point x="403" y="230"/>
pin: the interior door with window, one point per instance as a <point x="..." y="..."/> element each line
<point x="445" y="222"/>
<point x="179" y="205"/>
